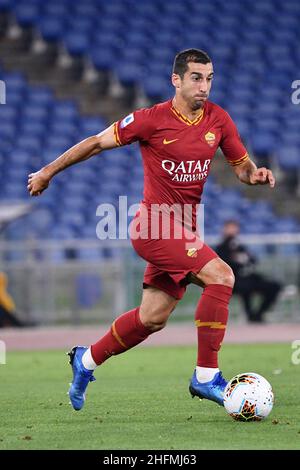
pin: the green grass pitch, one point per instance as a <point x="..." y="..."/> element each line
<point x="141" y="401"/>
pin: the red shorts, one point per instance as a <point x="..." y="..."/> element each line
<point x="171" y="260"/>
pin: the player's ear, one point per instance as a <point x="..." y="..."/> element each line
<point x="176" y="80"/>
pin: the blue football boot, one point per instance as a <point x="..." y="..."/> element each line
<point x="213" y="390"/>
<point x="81" y="377"/>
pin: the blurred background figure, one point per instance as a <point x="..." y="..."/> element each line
<point x="8" y="316"/>
<point x="248" y="282"/>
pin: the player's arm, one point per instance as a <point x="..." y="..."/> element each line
<point x="237" y="156"/>
<point x="248" y="173"/>
<point x="39" y="181"/>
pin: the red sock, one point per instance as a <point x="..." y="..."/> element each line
<point x="126" y="331"/>
<point x="211" y="320"/>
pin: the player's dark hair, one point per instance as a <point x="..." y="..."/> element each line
<point x="183" y="58"/>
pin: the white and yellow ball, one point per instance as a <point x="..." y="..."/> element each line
<point x="248" y="397"/>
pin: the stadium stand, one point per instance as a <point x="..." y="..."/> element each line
<point x="45" y="127"/>
<point x="255" y="66"/>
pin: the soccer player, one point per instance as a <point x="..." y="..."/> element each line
<point x="178" y="140"/>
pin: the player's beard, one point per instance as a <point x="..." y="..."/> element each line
<point x="197" y="104"/>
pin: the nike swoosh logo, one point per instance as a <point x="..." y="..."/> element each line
<point x="166" y="142"/>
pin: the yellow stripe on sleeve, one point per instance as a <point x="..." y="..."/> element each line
<point x="116" y="133"/>
<point x="240" y="161"/>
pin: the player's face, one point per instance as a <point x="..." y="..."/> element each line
<point x="195" y="86"/>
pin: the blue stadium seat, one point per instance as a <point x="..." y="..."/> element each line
<point x="6" y="5"/>
<point x="266" y="124"/>
<point x="288" y="157"/>
<point x="287" y="225"/>
<point x="8" y="113"/>
<point x="33" y="129"/>
<point x="289" y="137"/>
<point x="61" y="128"/>
<point x="29" y="143"/>
<point x="103" y="58"/>
<point x="8" y="130"/>
<point x="61" y="233"/>
<point x="90" y="254"/>
<point x="40" y="95"/>
<point x="52" y="28"/>
<point x="59" y="142"/>
<point x="14" y="97"/>
<point x="65" y="110"/>
<point x="255" y="228"/>
<point x="155" y="87"/>
<point x="77" y="43"/>
<point x="27" y="14"/>
<point x="20" y="157"/>
<point x="128" y="72"/>
<point x="264" y="142"/>
<point x="88" y="9"/>
<point x="92" y="125"/>
<point x="55" y="7"/>
<point x="35" y="113"/>
<point x="82" y="24"/>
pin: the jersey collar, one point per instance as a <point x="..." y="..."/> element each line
<point x="185" y="119"/>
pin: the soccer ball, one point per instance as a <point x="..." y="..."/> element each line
<point x="248" y="397"/>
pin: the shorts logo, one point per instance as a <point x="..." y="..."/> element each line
<point x="210" y="138"/>
<point x="192" y="253"/>
<point x="127" y="120"/>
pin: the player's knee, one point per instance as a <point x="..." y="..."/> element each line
<point x="155" y="324"/>
<point x="154" y="320"/>
<point x="224" y="276"/>
<point x="228" y="278"/>
<point x="215" y="271"/>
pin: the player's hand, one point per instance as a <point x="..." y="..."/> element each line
<point x="262" y="176"/>
<point x="37" y="183"/>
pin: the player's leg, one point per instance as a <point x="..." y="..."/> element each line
<point x="178" y="257"/>
<point x="127" y="331"/>
<point x="156" y="308"/>
<point x="134" y="326"/>
<point x="211" y="316"/>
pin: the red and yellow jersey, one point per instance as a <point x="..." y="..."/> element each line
<point x="177" y="152"/>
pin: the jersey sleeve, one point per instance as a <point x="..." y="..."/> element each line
<point x="137" y="126"/>
<point x="231" y="144"/>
